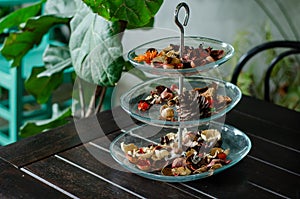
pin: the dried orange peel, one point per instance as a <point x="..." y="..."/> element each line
<point x="147" y="56"/>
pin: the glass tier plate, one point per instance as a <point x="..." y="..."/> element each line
<point x="129" y="101"/>
<point x="232" y="138"/>
<point x="191" y="41"/>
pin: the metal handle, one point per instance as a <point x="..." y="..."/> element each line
<point x="180" y="25"/>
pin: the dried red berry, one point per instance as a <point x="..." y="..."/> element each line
<point x="222" y="156"/>
<point x="141" y="150"/>
<point x="143" y="105"/>
<point x="211" y="102"/>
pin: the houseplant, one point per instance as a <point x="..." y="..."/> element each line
<point x="91" y="23"/>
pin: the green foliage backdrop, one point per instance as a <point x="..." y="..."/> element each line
<point x="94" y="49"/>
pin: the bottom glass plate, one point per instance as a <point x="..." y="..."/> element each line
<point x="232" y="138"/>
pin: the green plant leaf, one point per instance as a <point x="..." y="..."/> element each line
<point x="136" y="13"/>
<point x="55" y="54"/>
<point x="150" y="24"/>
<point x="32" y="128"/>
<point x="56" y="59"/>
<point x="42" y="88"/>
<point x="17" y="44"/>
<point x="96" y="48"/>
<point x="14" y="19"/>
<point x="57" y="68"/>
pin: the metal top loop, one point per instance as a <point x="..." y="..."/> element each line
<point x="180" y="25"/>
<point x="186" y="18"/>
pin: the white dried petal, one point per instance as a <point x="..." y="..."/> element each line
<point x="147" y="154"/>
<point x="160" y="154"/>
<point x="182" y="171"/>
<point x="210" y="135"/>
<point x="128" y="147"/>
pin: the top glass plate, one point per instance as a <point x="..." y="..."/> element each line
<point x="233" y="139"/>
<point x="129" y="101"/>
<point x="191" y="41"/>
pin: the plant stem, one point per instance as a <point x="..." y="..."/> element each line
<point x="101" y="100"/>
<point x="81" y="98"/>
<point x="92" y="103"/>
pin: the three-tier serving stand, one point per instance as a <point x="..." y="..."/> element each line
<point x="183" y="77"/>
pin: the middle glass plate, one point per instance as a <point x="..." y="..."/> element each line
<point x="131" y="99"/>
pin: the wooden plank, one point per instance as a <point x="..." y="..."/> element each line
<point x="40" y="146"/>
<point x="278" y="155"/>
<point x="268" y="131"/>
<point x="16" y="184"/>
<point x="251" y="179"/>
<point x="269" y="113"/>
<point x="101" y="163"/>
<point x="76" y="181"/>
<point x="62" y="138"/>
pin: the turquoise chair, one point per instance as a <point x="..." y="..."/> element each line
<point x="12" y="107"/>
<point x="12" y="114"/>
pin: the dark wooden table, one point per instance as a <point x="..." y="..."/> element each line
<point x="61" y="164"/>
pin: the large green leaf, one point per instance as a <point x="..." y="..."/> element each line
<point x="32" y="128"/>
<point x="136" y="12"/>
<point x="17" y="44"/>
<point x="14" y="19"/>
<point x="96" y="48"/>
<point x="42" y="88"/>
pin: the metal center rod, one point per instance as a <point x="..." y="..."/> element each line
<point x="179" y="128"/>
<point x="187" y="14"/>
